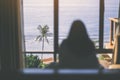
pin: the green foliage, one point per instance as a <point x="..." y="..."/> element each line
<point x="34" y="62"/>
<point x="101" y="57"/>
<point x="42" y="65"/>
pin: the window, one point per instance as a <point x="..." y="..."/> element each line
<point x="111" y="11"/>
<point x="38" y="14"/>
<point x="58" y="16"/>
<point x="87" y="11"/>
<point x="10" y="45"/>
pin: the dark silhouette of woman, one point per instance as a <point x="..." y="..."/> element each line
<point x="77" y="51"/>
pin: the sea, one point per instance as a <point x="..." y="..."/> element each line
<point x="41" y="12"/>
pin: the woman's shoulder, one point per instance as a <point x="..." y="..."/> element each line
<point x="64" y="43"/>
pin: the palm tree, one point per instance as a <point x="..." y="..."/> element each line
<point x="43" y="36"/>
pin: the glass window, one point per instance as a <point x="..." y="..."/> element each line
<point x="85" y="10"/>
<point x="39" y="18"/>
<point x="38" y="12"/>
<point x="38" y="28"/>
<point x="111" y="11"/>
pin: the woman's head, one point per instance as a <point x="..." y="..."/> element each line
<point x="78" y="31"/>
<point x="78" y="39"/>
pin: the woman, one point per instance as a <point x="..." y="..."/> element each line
<point x="77" y="51"/>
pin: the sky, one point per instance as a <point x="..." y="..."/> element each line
<point x="62" y="2"/>
<point x="66" y="2"/>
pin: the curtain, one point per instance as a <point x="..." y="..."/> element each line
<point x="9" y="36"/>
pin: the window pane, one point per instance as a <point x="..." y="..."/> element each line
<point x="39" y="31"/>
<point x="111" y="11"/>
<point x="38" y="12"/>
<point x="85" y="10"/>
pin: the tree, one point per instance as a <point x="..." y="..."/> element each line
<point x="42" y="37"/>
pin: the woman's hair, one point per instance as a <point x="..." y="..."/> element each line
<point x="78" y="31"/>
<point x="78" y="39"/>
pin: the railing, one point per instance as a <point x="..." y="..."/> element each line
<point x="38" y="52"/>
<point x="113" y="29"/>
<point x="114" y="39"/>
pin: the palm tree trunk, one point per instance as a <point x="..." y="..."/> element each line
<point x="42" y="49"/>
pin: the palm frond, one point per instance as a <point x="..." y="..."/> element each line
<point x="40" y="39"/>
<point x="46" y="26"/>
<point x="46" y="39"/>
<point x="37" y="38"/>
<point x="39" y="28"/>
